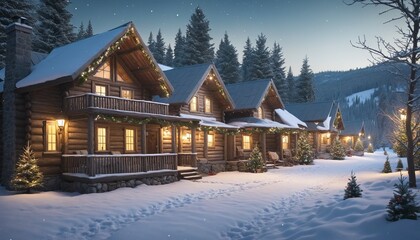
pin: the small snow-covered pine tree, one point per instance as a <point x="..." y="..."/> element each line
<point x="89" y="30"/>
<point x="352" y="189"/>
<point x="304" y="154"/>
<point x="261" y="60"/>
<point x="305" y="90"/>
<point x="400" y="165"/>
<point x="27" y="174"/>
<point x="338" y="152"/>
<point x="82" y="33"/>
<point x="247" y="60"/>
<point x="290" y="85"/>
<point x="387" y="166"/>
<point x="169" y="56"/>
<point x="179" y="49"/>
<point x="358" y="147"/>
<point x="255" y="160"/>
<point x="402" y="205"/>
<point x="370" y="148"/>
<point x="159" y="50"/>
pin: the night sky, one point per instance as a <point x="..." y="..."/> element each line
<point x="321" y="29"/>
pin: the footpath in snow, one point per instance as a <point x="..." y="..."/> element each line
<point x="300" y="202"/>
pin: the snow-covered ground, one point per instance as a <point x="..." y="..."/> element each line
<point x="363" y="96"/>
<point x="300" y="202"/>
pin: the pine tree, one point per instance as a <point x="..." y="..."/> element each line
<point x="151" y="43"/>
<point x="370" y="148"/>
<point x="54" y="28"/>
<point x="305" y="91"/>
<point x="290" y="79"/>
<point x="279" y="75"/>
<point x="255" y="160"/>
<point x="358" y="147"/>
<point x="198" y="48"/>
<point x="89" y="30"/>
<point x="261" y="64"/>
<point x="352" y="189"/>
<point x="338" y="152"/>
<point x="169" y="56"/>
<point x="159" y="50"/>
<point x="27" y="175"/>
<point x="227" y="61"/>
<point x="82" y="33"/>
<point x="403" y="204"/>
<point x="179" y="49"/>
<point x="247" y="61"/>
<point x="387" y="166"/>
<point x="8" y="10"/>
<point x="304" y="152"/>
<point x="400" y="165"/>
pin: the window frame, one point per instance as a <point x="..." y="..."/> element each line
<point x="211" y="144"/>
<point x="134" y="139"/>
<point x="47" y="134"/>
<point x="126" y="89"/>
<point x="208" y="108"/>
<point x="195" y="101"/>
<point x="106" y="86"/>
<point x="108" y="63"/>
<point x="107" y="135"/>
<point x="285" y="144"/>
<point x="243" y="142"/>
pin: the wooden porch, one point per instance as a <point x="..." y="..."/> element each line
<point x="87" y="101"/>
<point x="93" y="165"/>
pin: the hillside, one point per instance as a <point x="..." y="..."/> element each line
<point x="367" y="94"/>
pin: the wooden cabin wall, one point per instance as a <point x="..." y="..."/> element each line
<point x="272" y="142"/>
<point x="77" y="135"/>
<point x="114" y="88"/>
<point x="216" y="153"/>
<point x="267" y="110"/>
<point x="217" y="107"/>
<point x="46" y="104"/>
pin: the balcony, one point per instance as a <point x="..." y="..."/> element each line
<point x="90" y="101"/>
<point x="92" y="165"/>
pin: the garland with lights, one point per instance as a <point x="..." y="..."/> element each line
<point x="116" y="46"/>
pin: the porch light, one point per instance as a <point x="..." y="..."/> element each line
<point x="328" y="135"/>
<point x="60" y="123"/>
<point x="369" y="137"/>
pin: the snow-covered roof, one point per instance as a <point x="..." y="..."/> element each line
<point x="253" y="122"/>
<point x="289" y="119"/>
<point x="208" y="121"/>
<point x="164" y="67"/>
<point x="70" y="60"/>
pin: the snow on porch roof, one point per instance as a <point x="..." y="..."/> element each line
<point x="290" y="119"/>
<point x="208" y="121"/>
<point x="70" y="60"/>
<point x="253" y="122"/>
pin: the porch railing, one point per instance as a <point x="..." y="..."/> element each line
<point x="90" y="100"/>
<point x="124" y="163"/>
<point x="187" y="159"/>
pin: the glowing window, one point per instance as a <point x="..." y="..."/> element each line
<point x="207" y="105"/>
<point x="285" y="142"/>
<point x="210" y="140"/>
<point x="104" y="71"/>
<point x="129" y="139"/>
<point x="51" y="136"/>
<point x="127" y="94"/>
<point x="193" y="105"/>
<point x="246" y="142"/>
<point x="100" y="90"/>
<point x="260" y="113"/>
<point x="101" y="137"/>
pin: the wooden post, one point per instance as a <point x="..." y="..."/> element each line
<point x="206" y="143"/>
<point x="225" y="148"/>
<point x="180" y="139"/>
<point x="173" y="138"/>
<point x="91" y="134"/>
<point x="143" y="138"/>
<point x="193" y="143"/>
<point x="263" y="145"/>
<point x="280" y="144"/>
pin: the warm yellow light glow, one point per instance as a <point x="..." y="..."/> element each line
<point x="187" y="137"/>
<point x="328" y="135"/>
<point x="369" y="137"/>
<point x="166" y="132"/>
<point x="60" y="123"/>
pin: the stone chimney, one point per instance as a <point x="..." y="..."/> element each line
<point x="18" y="66"/>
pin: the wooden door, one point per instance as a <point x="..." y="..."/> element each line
<point x="152" y="141"/>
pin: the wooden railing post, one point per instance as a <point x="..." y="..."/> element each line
<point x="143" y="138"/>
<point x="206" y="143"/>
<point x="173" y="138"/>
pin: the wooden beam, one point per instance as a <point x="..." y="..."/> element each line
<point x="263" y="145"/>
<point x="143" y="138"/>
<point x="140" y="70"/>
<point x="225" y="144"/>
<point x="206" y="143"/>
<point x="128" y="51"/>
<point x="193" y="143"/>
<point x="180" y="140"/>
<point x="173" y="138"/>
<point x="91" y="134"/>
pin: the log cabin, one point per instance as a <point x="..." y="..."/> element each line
<point x="86" y="109"/>
<point x="324" y="123"/>
<point x="254" y="113"/>
<point x="199" y="93"/>
<point x="354" y="130"/>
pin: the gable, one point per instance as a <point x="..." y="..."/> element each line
<point x="78" y="60"/>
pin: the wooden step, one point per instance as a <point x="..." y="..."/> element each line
<point x="193" y="177"/>
<point x="189" y="174"/>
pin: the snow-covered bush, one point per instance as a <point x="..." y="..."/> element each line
<point x="400" y="165"/>
<point x="387" y="166"/>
